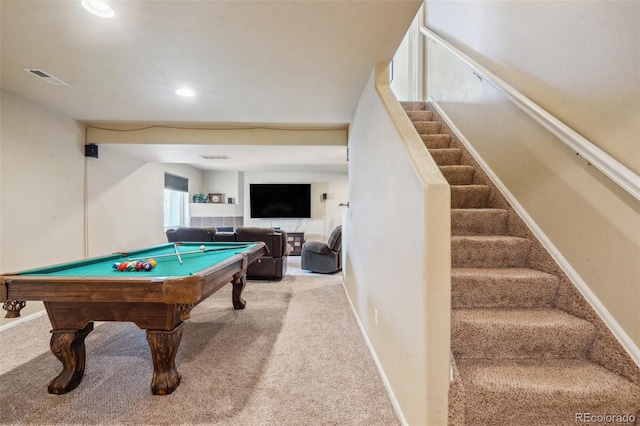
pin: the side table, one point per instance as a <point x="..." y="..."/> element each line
<point x="295" y="240"/>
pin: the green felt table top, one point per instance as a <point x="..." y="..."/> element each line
<point x="166" y="266"/>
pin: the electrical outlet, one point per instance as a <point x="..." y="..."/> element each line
<point x="375" y="315"/>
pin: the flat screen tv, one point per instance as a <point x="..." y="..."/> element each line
<point x="280" y="200"/>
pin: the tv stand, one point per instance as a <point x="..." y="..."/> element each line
<point x="295" y="240"/>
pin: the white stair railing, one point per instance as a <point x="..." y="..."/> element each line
<point x="611" y="167"/>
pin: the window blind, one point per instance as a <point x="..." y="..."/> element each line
<point x="176" y="183"/>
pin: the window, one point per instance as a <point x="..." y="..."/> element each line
<point x="176" y="200"/>
<point x="175" y="208"/>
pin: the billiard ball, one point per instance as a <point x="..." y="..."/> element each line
<point x="202" y="248"/>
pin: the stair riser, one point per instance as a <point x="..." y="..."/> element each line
<point x="479" y="222"/>
<point x="490" y="409"/>
<point x="503" y="293"/>
<point x="446" y="157"/>
<point x="469" y="196"/>
<point x="413" y="106"/>
<point x="471" y="340"/>
<point x="436" y="141"/>
<point x="420" y="115"/>
<point x="466" y="253"/>
<point x="521" y="393"/>
<point x="427" y="127"/>
<point x="458" y="175"/>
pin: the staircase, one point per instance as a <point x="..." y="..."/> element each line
<point x="527" y="348"/>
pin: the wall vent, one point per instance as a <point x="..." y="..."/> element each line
<point x="46" y="77"/>
<point x="216" y="157"/>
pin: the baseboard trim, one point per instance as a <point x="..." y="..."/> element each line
<point x="383" y="376"/>
<point x="566" y="267"/>
<point x="22" y="320"/>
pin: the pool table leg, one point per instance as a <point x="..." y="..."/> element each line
<point x="68" y="347"/>
<point x="13" y="308"/>
<point x="239" y="281"/>
<point x="164" y="347"/>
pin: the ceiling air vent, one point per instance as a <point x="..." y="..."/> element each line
<point x="46" y="77"/>
<point x="216" y="157"/>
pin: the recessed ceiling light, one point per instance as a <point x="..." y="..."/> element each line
<point x="185" y="92"/>
<point x="98" y="8"/>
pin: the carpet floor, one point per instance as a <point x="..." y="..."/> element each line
<point x="294" y="356"/>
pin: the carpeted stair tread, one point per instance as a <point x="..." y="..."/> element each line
<point x="519" y="334"/>
<point x="427" y="127"/>
<point x="413" y="106"/>
<point x="502" y="288"/>
<point x="469" y="196"/>
<point x="489" y="251"/>
<point x="446" y="156"/>
<point x="479" y="221"/>
<point x="436" y="141"/>
<point x="458" y="174"/>
<point x="420" y="115"/>
<point x="542" y="392"/>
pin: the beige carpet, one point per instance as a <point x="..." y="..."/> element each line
<point x="527" y="348"/>
<point x="294" y="356"/>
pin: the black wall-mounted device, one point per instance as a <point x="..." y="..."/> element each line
<point x="91" y="150"/>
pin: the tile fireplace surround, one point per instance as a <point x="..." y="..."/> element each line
<point x="217" y="221"/>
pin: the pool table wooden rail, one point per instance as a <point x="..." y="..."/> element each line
<point x="114" y="288"/>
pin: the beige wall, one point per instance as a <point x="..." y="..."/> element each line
<point x="397" y="236"/>
<point x="125" y="200"/>
<point x="115" y="179"/>
<point x="227" y="182"/>
<point x="577" y="59"/>
<point x="593" y="223"/>
<point x="42" y="188"/>
<point x="1" y="178"/>
<point x="257" y="133"/>
<point x="325" y="214"/>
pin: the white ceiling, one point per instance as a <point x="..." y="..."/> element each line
<point x="274" y="62"/>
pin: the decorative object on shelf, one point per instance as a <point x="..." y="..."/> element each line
<point x="216" y="198"/>
<point x="200" y="198"/>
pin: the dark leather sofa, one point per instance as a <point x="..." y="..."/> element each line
<point x="272" y="265"/>
<point x="191" y="234"/>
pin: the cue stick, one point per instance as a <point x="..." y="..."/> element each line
<point x="175" y="247"/>
<point x="187" y="252"/>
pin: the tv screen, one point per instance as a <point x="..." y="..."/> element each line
<point x="280" y="200"/>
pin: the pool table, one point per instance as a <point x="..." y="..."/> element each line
<point x="77" y="293"/>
